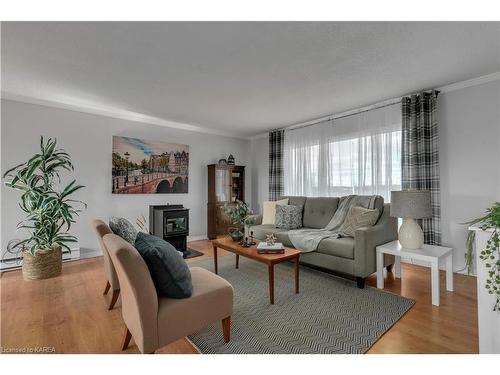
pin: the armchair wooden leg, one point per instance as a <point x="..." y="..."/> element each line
<point x="106" y="288"/>
<point x="114" y="298"/>
<point x="126" y="338"/>
<point x="226" y="328"/>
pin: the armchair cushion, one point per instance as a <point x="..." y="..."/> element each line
<point x="212" y="300"/>
<point x="168" y="269"/>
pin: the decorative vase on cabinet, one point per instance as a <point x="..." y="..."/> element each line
<point x="226" y="184"/>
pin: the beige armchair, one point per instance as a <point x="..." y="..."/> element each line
<point x="109" y="270"/>
<point x="154" y="321"/>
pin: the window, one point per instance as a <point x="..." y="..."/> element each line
<point x="356" y="155"/>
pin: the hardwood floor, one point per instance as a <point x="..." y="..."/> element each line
<point x="69" y="313"/>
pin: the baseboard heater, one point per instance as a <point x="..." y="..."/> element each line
<point x="10" y="264"/>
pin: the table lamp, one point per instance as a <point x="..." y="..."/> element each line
<point x="411" y="205"/>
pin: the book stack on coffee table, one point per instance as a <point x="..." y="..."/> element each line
<point x="276" y="248"/>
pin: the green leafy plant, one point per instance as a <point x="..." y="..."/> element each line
<point x="49" y="211"/>
<point x="239" y="213"/>
<point x="491" y="254"/>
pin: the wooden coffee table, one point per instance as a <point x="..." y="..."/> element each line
<point x="228" y="244"/>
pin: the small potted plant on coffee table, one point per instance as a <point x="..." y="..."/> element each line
<point x="239" y="213"/>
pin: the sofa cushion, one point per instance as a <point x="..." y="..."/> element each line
<point x="168" y="269"/>
<point x="296" y="201"/>
<point x="319" y="211"/>
<point x="283" y="238"/>
<point x="340" y="247"/>
<point x="269" y="211"/>
<point x="261" y="231"/>
<point x="288" y="216"/>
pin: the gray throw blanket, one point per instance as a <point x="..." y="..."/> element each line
<point x="307" y="240"/>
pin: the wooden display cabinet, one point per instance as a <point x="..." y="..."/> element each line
<point x="226" y="185"/>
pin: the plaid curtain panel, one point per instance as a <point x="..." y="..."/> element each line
<point x="276" y="143"/>
<point x="420" y="156"/>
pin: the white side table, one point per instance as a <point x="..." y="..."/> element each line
<point x="428" y="253"/>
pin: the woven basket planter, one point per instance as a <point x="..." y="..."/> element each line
<point x="46" y="263"/>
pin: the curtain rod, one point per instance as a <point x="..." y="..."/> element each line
<point x="385" y="103"/>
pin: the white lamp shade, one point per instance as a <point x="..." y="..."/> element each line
<point x="415" y="204"/>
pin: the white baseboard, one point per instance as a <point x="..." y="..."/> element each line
<point x="86" y="253"/>
<point x="197" y="238"/>
<point x="14" y="263"/>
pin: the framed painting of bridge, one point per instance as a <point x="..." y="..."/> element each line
<point x="149" y="167"/>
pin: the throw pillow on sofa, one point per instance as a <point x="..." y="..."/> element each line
<point x="358" y="217"/>
<point x="123" y="228"/>
<point x="169" y="271"/>
<point x="288" y="217"/>
<point x="269" y="211"/>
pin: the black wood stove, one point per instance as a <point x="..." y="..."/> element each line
<point x="170" y="222"/>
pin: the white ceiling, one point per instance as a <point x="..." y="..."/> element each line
<point x="240" y="78"/>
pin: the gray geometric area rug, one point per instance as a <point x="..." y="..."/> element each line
<point x="330" y="315"/>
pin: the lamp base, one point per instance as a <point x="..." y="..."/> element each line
<point x="411" y="235"/>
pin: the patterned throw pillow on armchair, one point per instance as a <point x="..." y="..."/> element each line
<point x="123" y="228"/>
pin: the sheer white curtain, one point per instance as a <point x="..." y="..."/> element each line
<point x="358" y="154"/>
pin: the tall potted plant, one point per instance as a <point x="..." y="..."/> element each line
<point x="49" y="209"/>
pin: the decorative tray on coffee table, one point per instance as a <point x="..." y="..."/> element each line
<point x="247" y="243"/>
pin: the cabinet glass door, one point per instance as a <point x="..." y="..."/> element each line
<point x="222" y="185"/>
<point x="236" y="185"/>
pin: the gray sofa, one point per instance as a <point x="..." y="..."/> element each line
<point x="354" y="257"/>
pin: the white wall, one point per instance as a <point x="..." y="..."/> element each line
<point x="88" y="139"/>
<point x="469" y="151"/>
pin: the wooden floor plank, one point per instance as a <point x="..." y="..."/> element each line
<point x="69" y="313"/>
